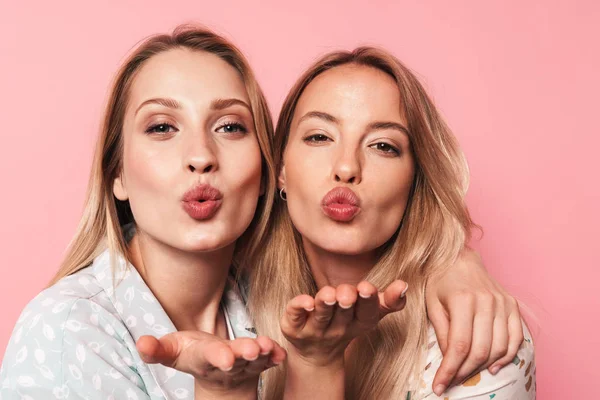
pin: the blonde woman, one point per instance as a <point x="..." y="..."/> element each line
<point x="372" y="186"/>
<point x="181" y="189"/>
<point x="182" y="182"/>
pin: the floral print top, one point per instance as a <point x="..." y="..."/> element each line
<point x="515" y="381"/>
<point x="76" y="339"/>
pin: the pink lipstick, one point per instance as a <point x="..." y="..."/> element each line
<point x="202" y="202"/>
<point x="341" y="204"/>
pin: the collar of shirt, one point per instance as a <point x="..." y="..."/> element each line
<point x="143" y="315"/>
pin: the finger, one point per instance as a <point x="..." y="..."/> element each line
<point x="462" y="312"/>
<point x="296" y="313"/>
<point x="217" y="354"/>
<point x="367" y="305"/>
<point x="481" y="343"/>
<point x="515" y="339"/>
<point x="265" y="345"/>
<point x="499" y="341"/>
<point x="245" y="349"/>
<point x="393" y="298"/>
<point x="254" y="368"/>
<point x="278" y="354"/>
<point x="441" y="324"/>
<point x="343" y="315"/>
<point x="320" y="318"/>
<point x="148" y="347"/>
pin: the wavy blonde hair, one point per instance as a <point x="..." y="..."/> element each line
<point x="392" y="354"/>
<point x="104" y="215"/>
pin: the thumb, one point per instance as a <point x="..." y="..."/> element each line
<point x="393" y="299"/>
<point x="164" y="351"/>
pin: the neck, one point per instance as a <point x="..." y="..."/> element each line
<point x="189" y="286"/>
<point x="333" y="269"/>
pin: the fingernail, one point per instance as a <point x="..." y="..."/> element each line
<point x="330" y="303"/>
<point x="252" y="359"/>
<point x="309" y="309"/>
<point x="147" y="359"/>
<point x="364" y="296"/>
<point x="345" y="307"/>
<point x="227" y="369"/>
<point x="264" y="353"/>
<point x="494" y="370"/>
<point x="439" y="389"/>
<point x="404" y="294"/>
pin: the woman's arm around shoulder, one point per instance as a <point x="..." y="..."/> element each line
<point x="515" y="381"/>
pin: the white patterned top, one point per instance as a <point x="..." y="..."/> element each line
<point x="76" y="339"/>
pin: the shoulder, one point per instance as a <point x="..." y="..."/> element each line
<point x="53" y="309"/>
<point x="60" y="332"/>
<point x="515" y="381"/>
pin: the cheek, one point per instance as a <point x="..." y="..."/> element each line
<point x="304" y="172"/>
<point x="391" y="199"/>
<point x="147" y="172"/>
<point x="244" y="167"/>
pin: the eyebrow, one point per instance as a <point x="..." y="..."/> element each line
<point x="217" y="105"/>
<point x="373" y="126"/>
<point x="379" y="125"/>
<point x="319" y="115"/>
<point x="222" y="104"/>
<point x="170" y="103"/>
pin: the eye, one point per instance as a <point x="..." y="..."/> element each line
<point x="317" y="138"/>
<point x="161" y="128"/>
<point x="385" y="148"/>
<point x="232" y="127"/>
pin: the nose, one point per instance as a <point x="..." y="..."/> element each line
<point x="347" y="167"/>
<point x="200" y="154"/>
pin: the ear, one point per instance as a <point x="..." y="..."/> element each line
<point x="119" y="189"/>
<point x="281" y="178"/>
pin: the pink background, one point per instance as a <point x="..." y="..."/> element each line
<point x="517" y="80"/>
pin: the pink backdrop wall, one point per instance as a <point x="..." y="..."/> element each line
<point x="517" y="80"/>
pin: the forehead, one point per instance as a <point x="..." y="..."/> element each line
<point x="352" y="92"/>
<point x="194" y="74"/>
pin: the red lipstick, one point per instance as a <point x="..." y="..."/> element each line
<point x="202" y="202"/>
<point x="341" y="204"/>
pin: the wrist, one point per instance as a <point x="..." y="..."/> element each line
<point x="213" y="391"/>
<point x="314" y="378"/>
<point x="325" y="361"/>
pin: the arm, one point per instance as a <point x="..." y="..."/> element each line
<point x="516" y="381"/>
<point x="476" y="321"/>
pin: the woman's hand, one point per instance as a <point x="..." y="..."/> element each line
<point x="477" y="323"/>
<point x="321" y="328"/>
<point x="223" y="368"/>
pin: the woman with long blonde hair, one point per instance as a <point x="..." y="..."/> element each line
<point x="372" y="186"/>
<point x="178" y="204"/>
<point x="182" y="183"/>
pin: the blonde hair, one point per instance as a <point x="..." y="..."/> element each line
<point x="390" y="355"/>
<point x="104" y="215"/>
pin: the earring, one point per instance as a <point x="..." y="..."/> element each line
<point x="283" y="195"/>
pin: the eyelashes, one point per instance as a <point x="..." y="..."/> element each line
<point x="232" y="127"/>
<point x="316" y="138"/>
<point x="161" y="128"/>
<point x="164" y="128"/>
<point x="384" y="148"/>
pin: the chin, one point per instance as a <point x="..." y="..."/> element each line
<point x="345" y="247"/>
<point x="205" y="243"/>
